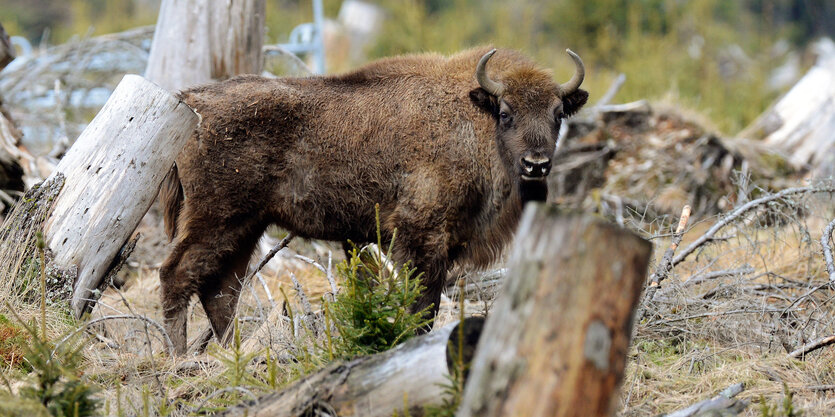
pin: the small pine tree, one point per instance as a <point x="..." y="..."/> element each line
<point x="57" y="389"/>
<point x="371" y="313"/>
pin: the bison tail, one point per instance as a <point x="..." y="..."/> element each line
<point x="171" y="198"/>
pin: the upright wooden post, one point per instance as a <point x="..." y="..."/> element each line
<point x="197" y="41"/>
<point x="556" y="340"/>
<point x="113" y="173"/>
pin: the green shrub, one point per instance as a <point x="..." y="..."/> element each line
<point x="784" y="409"/>
<point x="56" y="388"/>
<point x="372" y="311"/>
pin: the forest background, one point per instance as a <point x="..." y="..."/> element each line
<point x="728" y="60"/>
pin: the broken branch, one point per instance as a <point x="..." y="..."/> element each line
<point x="666" y="264"/>
<point x="744" y="209"/>
<point x="812" y="346"/>
<point x="827" y="251"/>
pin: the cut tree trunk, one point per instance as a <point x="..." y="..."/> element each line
<point x="801" y="124"/>
<point x="113" y="173"/>
<point x="556" y="340"/>
<point x="378" y="385"/>
<point x="197" y="41"/>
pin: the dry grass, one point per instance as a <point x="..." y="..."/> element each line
<point x="127" y="358"/>
<point x="731" y="313"/>
<point x="703" y="332"/>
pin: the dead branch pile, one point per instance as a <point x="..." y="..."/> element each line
<point x="634" y="157"/>
<point x="752" y="279"/>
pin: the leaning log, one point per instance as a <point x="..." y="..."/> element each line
<point x="556" y="340"/>
<point x="413" y="373"/>
<point x="113" y="172"/>
<point x="197" y="41"/>
<point x="801" y="123"/>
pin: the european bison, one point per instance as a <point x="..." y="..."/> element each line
<point x="450" y="147"/>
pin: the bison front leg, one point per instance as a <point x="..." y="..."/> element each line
<point x="428" y="254"/>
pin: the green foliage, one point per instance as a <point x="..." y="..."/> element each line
<point x="236" y="374"/>
<point x="785" y="408"/>
<point x="235" y="362"/>
<point x="56" y="388"/>
<point x="372" y="312"/>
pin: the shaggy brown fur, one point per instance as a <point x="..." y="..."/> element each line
<point x="313" y="155"/>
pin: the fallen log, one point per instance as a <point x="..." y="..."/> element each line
<point x="800" y="123"/>
<point x="378" y="385"/>
<point x="720" y="405"/>
<point x="556" y="340"/>
<point x="113" y="173"/>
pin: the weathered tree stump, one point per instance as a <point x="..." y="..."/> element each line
<point x="556" y="340"/>
<point x="113" y="173"/>
<point x="7" y="53"/>
<point x="376" y="385"/>
<point x="197" y="41"/>
<point x="11" y="171"/>
<point x="11" y="168"/>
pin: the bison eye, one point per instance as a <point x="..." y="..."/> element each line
<point x="504" y="116"/>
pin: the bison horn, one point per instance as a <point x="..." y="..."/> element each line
<point x="574" y="83"/>
<point x="493" y="87"/>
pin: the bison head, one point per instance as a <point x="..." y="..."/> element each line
<point x="528" y="108"/>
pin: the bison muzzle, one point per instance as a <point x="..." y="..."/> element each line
<point x="449" y="147"/>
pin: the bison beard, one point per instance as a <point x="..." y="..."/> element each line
<point x="533" y="191"/>
<point x="449" y="147"/>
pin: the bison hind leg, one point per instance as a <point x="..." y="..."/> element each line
<point x="209" y="261"/>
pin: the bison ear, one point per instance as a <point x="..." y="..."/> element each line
<point x="485" y="101"/>
<point x="572" y="103"/>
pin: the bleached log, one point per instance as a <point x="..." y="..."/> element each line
<point x="197" y="41"/>
<point x="372" y="386"/>
<point x="113" y="173"/>
<point x="801" y="123"/>
<point x="556" y="340"/>
<point x="723" y="404"/>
